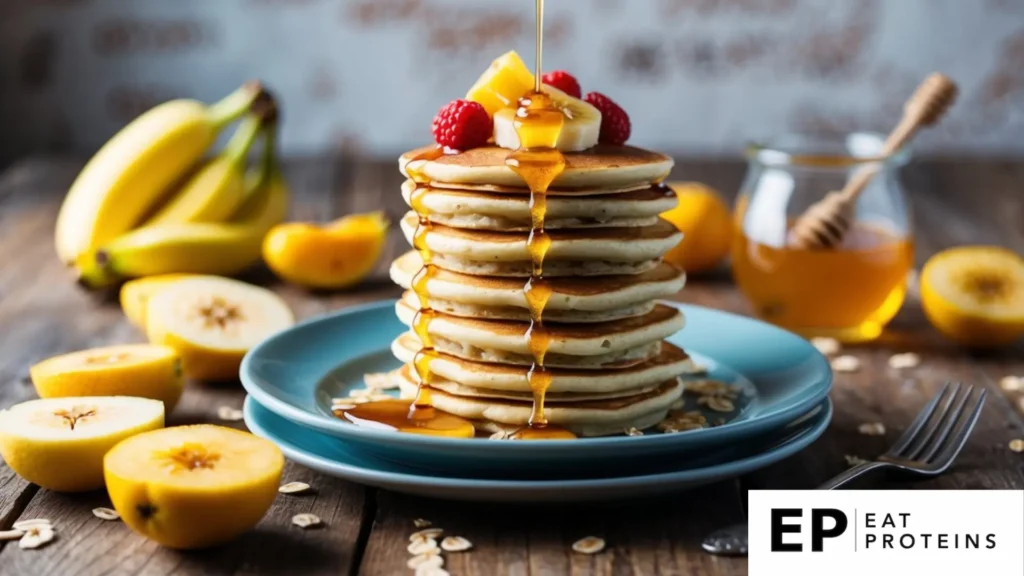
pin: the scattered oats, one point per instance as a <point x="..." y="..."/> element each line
<point x="31" y="523"/>
<point x="852" y="461"/>
<point x="35" y="537"/>
<point x="421" y="546"/>
<point x="380" y="381"/>
<point x="588" y="545"/>
<point x="872" y="429"/>
<point x="105" y="514"/>
<point x="698" y="369"/>
<point x="294" y="488"/>
<point x="426" y="534"/>
<point x="632" y="431"/>
<point x="711" y="388"/>
<point x="905" y="360"/>
<point x="1012" y="384"/>
<point x="678" y="404"/>
<point x="6" y="535"/>
<point x="455" y="544"/>
<point x="422" y="523"/>
<point x="719" y="404"/>
<point x="432" y="559"/>
<point x="1017" y="445"/>
<point x="431" y="571"/>
<point x="306" y="520"/>
<point x="827" y="346"/>
<point x="846" y="364"/>
<point x="229" y="414"/>
<point x="670" y="430"/>
<point x="499" y="435"/>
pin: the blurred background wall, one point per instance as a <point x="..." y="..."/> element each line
<point x="699" y="77"/>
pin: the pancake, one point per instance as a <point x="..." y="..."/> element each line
<point x="572" y="300"/>
<point x="565" y="339"/>
<point x="480" y="211"/>
<point x="523" y="315"/>
<point x="599" y="244"/>
<point x="583" y="418"/>
<point x="550" y="398"/>
<point x="607" y="361"/>
<point x="600" y="167"/>
<point x="669" y="363"/>
<point x="554" y="269"/>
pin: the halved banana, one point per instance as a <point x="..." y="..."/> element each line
<point x="581" y="129"/>
<point x="212" y="322"/>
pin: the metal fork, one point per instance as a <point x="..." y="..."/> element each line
<point x="927" y="448"/>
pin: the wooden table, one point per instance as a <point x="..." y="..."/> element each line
<point x="42" y="313"/>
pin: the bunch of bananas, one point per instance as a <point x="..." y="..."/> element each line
<point x="149" y="203"/>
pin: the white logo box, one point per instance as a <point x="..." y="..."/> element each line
<point x="898" y="532"/>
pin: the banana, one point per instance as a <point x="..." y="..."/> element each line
<point x="132" y="172"/>
<point x="196" y="247"/>
<point x="216" y="191"/>
<point x="581" y="129"/>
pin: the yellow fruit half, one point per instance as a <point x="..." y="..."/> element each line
<point x="59" y="443"/>
<point x="338" y="255"/>
<point x="975" y="295"/>
<point x="141" y="370"/>
<point x="135" y="294"/>
<point x="703" y="218"/>
<point x="212" y="322"/>
<point x="505" y="81"/>
<point x="193" y="486"/>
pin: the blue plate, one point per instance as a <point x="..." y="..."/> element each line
<point x="324" y="454"/>
<point x="295" y="373"/>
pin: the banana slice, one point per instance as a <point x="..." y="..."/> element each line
<point x="212" y="322"/>
<point x="581" y="129"/>
<point x="59" y="443"/>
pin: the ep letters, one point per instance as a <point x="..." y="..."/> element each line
<point x="886" y="532"/>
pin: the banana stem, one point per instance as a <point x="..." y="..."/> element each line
<point x="232" y="106"/>
<point x="237" y="149"/>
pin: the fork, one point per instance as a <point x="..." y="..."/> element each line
<point x="927" y="448"/>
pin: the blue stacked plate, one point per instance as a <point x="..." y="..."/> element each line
<point x="292" y="377"/>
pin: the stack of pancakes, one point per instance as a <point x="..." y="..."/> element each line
<point x="610" y="369"/>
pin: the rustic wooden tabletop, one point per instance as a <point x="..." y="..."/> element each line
<point x="43" y="312"/>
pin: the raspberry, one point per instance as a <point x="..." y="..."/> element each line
<point x="461" y="125"/>
<point x="615" y="126"/>
<point x="563" y="81"/>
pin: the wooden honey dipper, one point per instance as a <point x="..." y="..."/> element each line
<point x="825" y="224"/>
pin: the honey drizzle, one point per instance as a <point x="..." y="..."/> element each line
<point x="538" y="162"/>
<point x="422" y="405"/>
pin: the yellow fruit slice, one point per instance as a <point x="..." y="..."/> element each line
<point x="141" y="370"/>
<point x="212" y="322"/>
<point x="502" y="84"/>
<point x="335" y="256"/>
<point x="193" y="486"/>
<point x="59" y="443"/>
<point x="703" y="218"/>
<point x="135" y="294"/>
<point x="975" y="295"/>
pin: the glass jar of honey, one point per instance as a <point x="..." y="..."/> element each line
<point x="848" y="292"/>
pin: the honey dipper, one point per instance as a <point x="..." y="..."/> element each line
<point x="825" y="224"/>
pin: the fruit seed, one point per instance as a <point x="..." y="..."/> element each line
<point x="306" y="520"/>
<point x="294" y="488"/>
